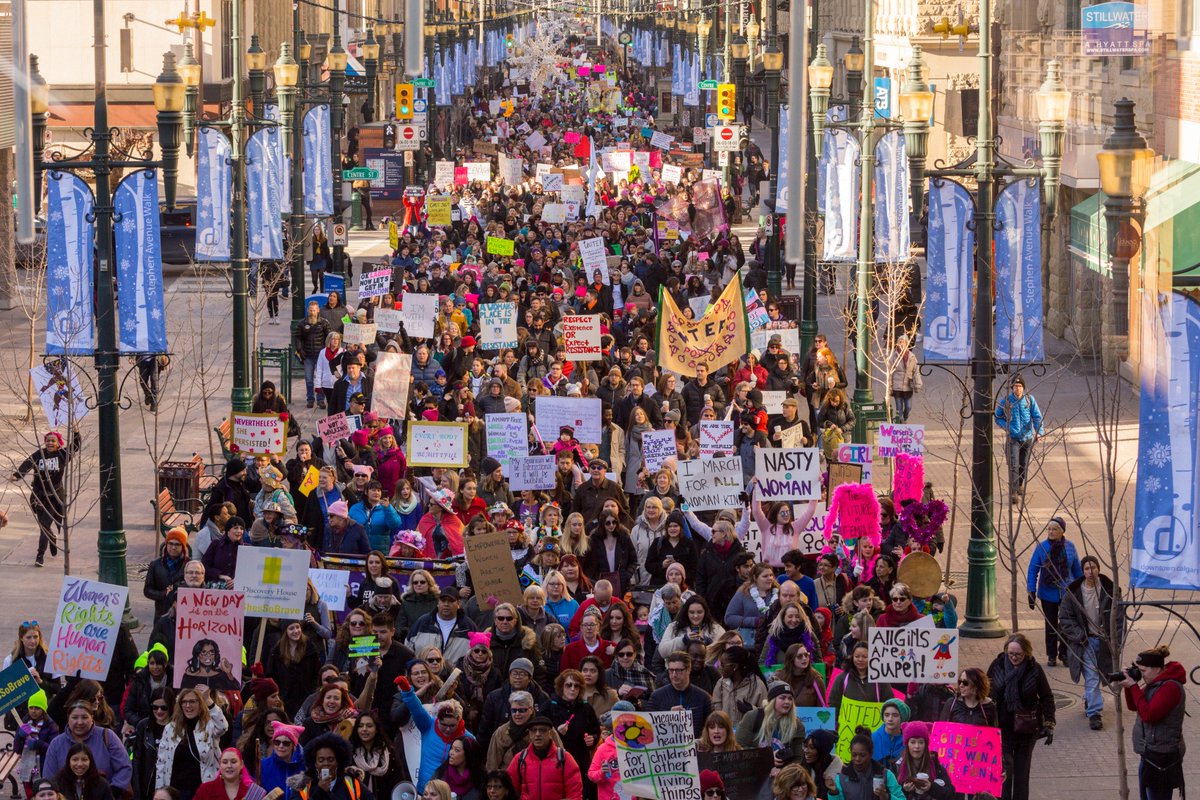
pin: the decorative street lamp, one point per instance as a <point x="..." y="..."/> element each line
<point x="370" y="51"/>
<point x="854" y="61"/>
<point x="772" y="65"/>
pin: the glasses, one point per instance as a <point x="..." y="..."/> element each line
<point x="571" y="685"/>
<point x="159" y="707"/>
<point x="433" y="660"/>
<point x="964" y="682"/>
<point x="519" y="709"/>
<point x="419" y="582"/>
<point x="900" y="598"/>
<point x="30" y="623"/>
<point x="628" y="654"/>
<point x="610" y="523"/>
<point x="283" y="742"/>
<point x="505" y="619"/>
<point x="713" y="793"/>
<point x="357" y="623"/>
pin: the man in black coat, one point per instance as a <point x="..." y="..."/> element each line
<point x="623" y="409"/>
<point x="696" y="390"/>
<point x="231" y="489"/>
<point x="309" y="339"/>
<point x="591" y="494"/>
<point x="350" y="384"/>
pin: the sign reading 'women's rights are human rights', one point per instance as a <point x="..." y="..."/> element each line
<point x="788" y="473"/>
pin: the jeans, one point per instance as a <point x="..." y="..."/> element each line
<point x="310" y="375"/>
<point x="902" y="407"/>
<point x="1018" y="463"/>
<point x="1093" y="698"/>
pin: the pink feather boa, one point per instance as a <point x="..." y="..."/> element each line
<point x="856" y="510"/>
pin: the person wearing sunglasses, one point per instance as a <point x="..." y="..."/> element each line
<point x="972" y="703"/>
<point x="712" y="787"/>
<point x="285" y="759"/>
<point x="154" y="675"/>
<point x="419" y="599"/>
<point x="901" y="610"/>
<point x="143" y="745"/>
<point x="574" y="719"/>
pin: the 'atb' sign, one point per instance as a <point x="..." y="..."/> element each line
<point x="726" y="138"/>
<point x="409" y="137"/>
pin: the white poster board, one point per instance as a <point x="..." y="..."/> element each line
<point x="507" y="437"/>
<point x="531" y="472"/>
<point x="331" y="586"/>
<point x="788" y="474"/>
<point x="710" y="484"/>
<point x="581" y="337"/>
<point x="419" y="312"/>
<point x="581" y="413"/>
<point x="274" y="581"/>
<point x="498" y="326"/>
<point x="85" y="628"/>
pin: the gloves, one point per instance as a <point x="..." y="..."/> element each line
<point x="1032" y="600"/>
<point x="1049" y="737"/>
<point x="402" y="683"/>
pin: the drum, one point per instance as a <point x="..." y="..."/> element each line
<point x="921" y="573"/>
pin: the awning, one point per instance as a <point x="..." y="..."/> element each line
<point x="1173" y="216"/>
<point x="1089" y="235"/>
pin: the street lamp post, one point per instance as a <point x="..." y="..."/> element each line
<point x="335" y="62"/>
<point x="772" y="65"/>
<point x="169" y="100"/>
<point x="370" y="51"/>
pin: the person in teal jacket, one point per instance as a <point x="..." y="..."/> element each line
<point x="437" y="734"/>
<point x="376" y="515"/>
<point x="863" y="778"/>
<point x="1054" y="566"/>
<point x="1019" y="416"/>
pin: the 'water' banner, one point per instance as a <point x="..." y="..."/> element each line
<point x="1019" y="273"/>
<point x="950" y="253"/>
<point x="137" y="235"/>
<point x="70" y="241"/>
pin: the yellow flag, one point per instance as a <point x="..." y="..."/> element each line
<point x="718" y="338"/>
<point x="393" y="236"/>
<point x="310" y="481"/>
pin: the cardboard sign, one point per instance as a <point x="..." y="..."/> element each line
<point x="657" y="446"/>
<point x="499" y="247"/>
<point x="661" y="140"/>
<point x="672" y="173"/>
<point x="419" y="312"/>
<point x="656" y="754"/>
<point x="792" y="437"/>
<point x="914" y="653"/>
<point x="388" y="319"/>
<point x="843" y="473"/>
<point x="443" y="174"/>
<point x="375" y="284"/>
<point x="437" y="444"/>
<point x="498" y="325"/>
<point x="16" y="686"/>
<point x="852" y="714"/>
<point x="817" y="718"/>
<point x="333" y="429"/>
<point x="581" y="337"/>
<point x="554" y="213"/>
<point x="788" y="474"/>
<point x="856" y="454"/>
<point x="709" y="484"/>
<point x="531" y="472"/>
<point x="972" y="756"/>
<point x="553" y="182"/>
<point x="746" y="773"/>
<point x="393" y="377"/>
<point x="491" y="566"/>
<point x="209" y="625"/>
<point x="507" y="437"/>
<point x="437" y="211"/>
<point x="359" y="333"/>
<point x="274" y="581"/>
<point x="581" y="413"/>
<point x="85" y="628"/>
<point x="594" y="256"/>
<point x="900" y="439"/>
<point x="259" y="434"/>
<point x="331" y="586"/>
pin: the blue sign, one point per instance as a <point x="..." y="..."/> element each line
<point x="883" y="98"/>
<point x="336" y="283"/>
<point x="16" y="686"/>
<point x="1115" y="29"/>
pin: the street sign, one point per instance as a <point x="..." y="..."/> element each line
<point x="726" y="138"/>
<point x="360" y="174"/>
<point x="339" y="230"/>
<point x="408" y="137"/>
<point x="707" y="85"/>
<point x="710" y="120"/>
<point x="408" y="158"/>
<point x="420" y="106"/>
<point x="425" y="83"/>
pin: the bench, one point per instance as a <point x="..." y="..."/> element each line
<point x="169" y="516"/>
<point x="225" y="432"/>
<point x="8" y="769"/>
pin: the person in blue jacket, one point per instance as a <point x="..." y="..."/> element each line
<point x="1054" y="566"/>
<point x="286" y="759"/>
<point x="375" y="513"/>
<point x="436" y="734"/>
<point x="1019" y="416"/>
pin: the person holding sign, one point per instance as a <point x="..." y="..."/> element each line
<point x="188" y="750"/>
<point x="863" y="777"/>
<point x="921" y="774"/>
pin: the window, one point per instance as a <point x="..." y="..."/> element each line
<point x="226" y="39"/>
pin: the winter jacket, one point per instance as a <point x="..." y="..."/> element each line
<point x="625" y="555"/>
<point x="1021" y="419"/>
<point x="426" y="372"/>
<point x="1044" y="578"/>
<point x="643" y="535"/>
<point x="580" y="719"/>
<point x="905" y="375"/>
<point x="1160" y="707"/>
<point x="136" y="705"/>
<point x="850" y="685"/>
<point x="495" y="711"/>
<point x="1074" y="629"/>
<point x="108" y="753"/>
<point x="309" y="337"/>
<point x="692" y="698"/>
<point x="849" y="775"/>
<point x="274" y="772"/>
<point x="208" y="747"/>
<point x="604" y="771"/>
<point x="392" y="467"/>
<point x="743" y="614"/>
<point x="623" y="410"/>
<point x="434" y="745"/>
<point x="297" y="680"/>
<point x="143" y="748"/>
<point x="589" y="499"/>
<point x="693" y="399"/>
<point x="716" y="579"/>
<point x="380" y="522"/>
<point x="426" y="633"/>
<point x="522" y="644"/>
<point x="353" y="540"/>
<point x="412" y="608"/>
<point x="737" y="701"/>
<point x="685" y="552"/>
<point x="555" y="777"/>
<point x="161" y="579"/>
<point x="507" y="743"/>
<point x="1033" y="692"/>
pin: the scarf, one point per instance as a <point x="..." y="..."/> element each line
<point x="1055" y="570"/>
<point x="459" y="780"/>
<point x="375" y="762"/>
<point x="322" y="717"/>
<point x="763" y="604"/>
<point x="476" y="673"/>
<point x="1010" y="681"/>
<point x="637" y="675"/>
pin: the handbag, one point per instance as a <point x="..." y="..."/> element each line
<point x="1027" y="721"/>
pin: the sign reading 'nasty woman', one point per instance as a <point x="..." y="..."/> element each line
<point x="788" y="473"/>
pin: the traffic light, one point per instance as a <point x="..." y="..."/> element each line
<point x="727" y="102"/>
<point x="404" y="102"/>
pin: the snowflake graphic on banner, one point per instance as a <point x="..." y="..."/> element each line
<point x="1159" y="454"/>
<point x="129" y="226"/>
<point x="938" y="279"/>
<point x="1152" y="484"/>
<point x="56" y="216"/>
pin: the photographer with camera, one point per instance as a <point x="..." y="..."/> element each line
<point x="1085" y="625"/>
<point x="1158" y="733"/>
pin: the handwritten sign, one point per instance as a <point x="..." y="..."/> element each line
<point x="915" y="653"/>
<point x="437" y="444"/>
<point x="491" y="565"/>
<point x="333" y="429"/>
<point x="656" y="754"/>
<point x="273" y="581"/>
<point x="746" y="773"/>
<point x="840" y="473"/>
<point x="581" y="337"/>
<point x="419" y="312"/>
<point x="708" y="484"/>
<point x="661" y="140"/>
<point x="498" y="325"/>
<point x="817" y="718"/>
<point x="331" y="586"/>
<point x="507" y="437"/>
<point x="16" y="686"/>
<point x="895" y="439"/>
<point x="375" y="284"/>
<point x="479" y="171"/>
<point x="788" y="474"/>
<point x="359" y="333"/>
<point x="499" y="246"/>
<point x="552" y="182"/>
<point x="259" y="434"/>
<point x="595" y="257"/>
<point x="773" y="401"/>
<point x="716" y="436"/>
<point x="972" y="756"/>
<point x="856" y="510"/>
<point x="443" y="174"/>
<point x="851" y="714"/>
<point x="582" y="414"/>
<point x="555" y="213"/>
<point x="856" y="454"/>
<point x="85" y="628"/>
<point x="209" y="626"/>
<point x="531" y="472"/>
<point x="388" y="320"/>
<point x="657" y="446"/>
<point x="671" y="173"/>
<point x="437" y="210"/>
<point x="908" y="478"/>
<point x="393" y="376"/>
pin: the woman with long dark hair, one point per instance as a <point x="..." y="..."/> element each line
<point x="295" y="665"/>
<point x="372" y="754"/>
<point x="143" y="746"/>
<point x="461" y="770"/>
<point x="79" y="779"/>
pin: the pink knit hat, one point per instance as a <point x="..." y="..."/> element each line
<point x="287" y="731"/>
<point x="339" y="509"/>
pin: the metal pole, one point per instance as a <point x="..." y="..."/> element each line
<point x="111" y="544"/>
<point x="982" y="620"/>
<point x="337" y="79"/>
<point x="727" y="52"/>
<point x="808" y="314"/>
<point x="240" y="265"/>
<point x="296" y="218"/>
<point x="771" y="78"/>
<point x="866" y="235"/>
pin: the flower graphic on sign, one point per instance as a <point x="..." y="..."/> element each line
<point x="633" y="731"/>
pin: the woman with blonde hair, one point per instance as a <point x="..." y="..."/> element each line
<point x="189" y="750"/>
<point x="860" y="628"/>
<point x="718" y="736"/>
<point x="575" y="539"/>
<point x="559" y="602"/>
<point x="774" y="723"/>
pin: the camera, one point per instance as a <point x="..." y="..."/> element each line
<point x="1133" y="671"/>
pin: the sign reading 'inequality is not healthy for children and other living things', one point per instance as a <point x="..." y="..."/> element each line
<point x="656" y="754"/>
<point x="788" y="474"/>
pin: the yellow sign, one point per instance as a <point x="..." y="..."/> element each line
<point x="311" y="478"/>
<point x="718" y="338"/>
<point x="499" y="247"/>
<point x="438" y="208"/>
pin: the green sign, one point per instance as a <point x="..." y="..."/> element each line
<point x="360" y="174"/>
<point x="497" y="246"/>
<point x="429" y="83"/>
<point x="364" y="647"/>
<point x="708" y="85"/>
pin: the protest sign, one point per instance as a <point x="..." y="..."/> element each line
<point x="773" y="400"/>
<point x="746" y="773"/>
<point x="490" y="562"/>
<point x="914" y="653"/>
<point x="259" y="434"/>
<point x="571" y="137"/>
<point x="437" y="210"/>
<point x="657" y="446"/>
<point x="358" y="333"/>
<point x="698" y="305"/>
<point x="16" y="686"/>
<point x="656" y="754"/>
<point x="720" y="337"/>
<point x="443" y="174"/>
<point x="507" y="437"/>
<point x="393" y="376"/>
<point x="661" y="140"/>
<point x="62" y="396"/>
<point x="209" y="624"/>
<point x="843" y="473"/>
<point x="709" y="484"/>
<point x="572" y="193"/>
<point x="791" y="437"/>
<point x="531" y="472"/>
<point x="788" y="474"/>
<point x="594" y="256"/>
<point x="851" y="714"/>
<point x="554" y="213"/>
<point x="671" y="173"/>
<point x="333" y="429"/>
<point x="273" y="580"/>
<point x="895" y="439"/>
<point x="437" y="444"/>
<point x="374" y="284"/>
<point x="716" y="436"/>
<point x="418" y="312"/>
<point x="535" y="141"/>
<point x="510" y="170"/>
<point x="388" y="319"/>
<point x="856" y="454"/>
<point x="817" y="718"/>
<point x="479" y="171"/>
<point x="331" y="586"/>
<point x="908" y="478"/>
<point x="364" y="647"/>
<point x="553" y="182"/>
<point x="85" y="628"/>
<point x="971" y="755"/>
<point x="498" y="246"/>
<point x="581" y="413"/>
<point x="581" y="337"/>
<point x="498" y="326"/>
<point x="855" y="509"/>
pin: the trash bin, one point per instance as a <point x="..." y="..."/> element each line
<point x="182" y="478"/>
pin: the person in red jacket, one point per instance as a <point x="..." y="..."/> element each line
<point x="233" y="782"/>
<point x="1158" y="731"/>
<point x="544" y="771"/>
<point x="901" y="610"/>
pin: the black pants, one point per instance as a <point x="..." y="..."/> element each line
<point x="49" y="524"/>
<point x="273" y="305"/>
<point x="148" y="379"/>
<point x="1055" y="648"/>
<point x="1018" y="755"/>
